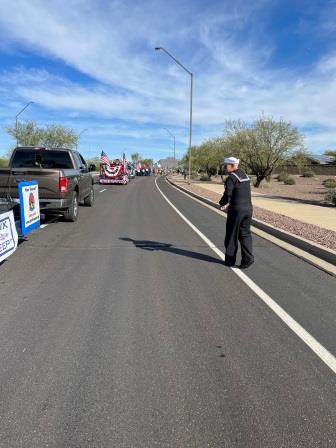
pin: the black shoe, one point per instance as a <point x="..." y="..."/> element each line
<point x="246" y="264"/>
<point x="230" y="261"/>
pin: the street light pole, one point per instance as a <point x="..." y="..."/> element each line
<point x="174" y="145"/>
<point x="16" y="119"/>
<point x="81" y="132"/>
<point x="191" y="101"/>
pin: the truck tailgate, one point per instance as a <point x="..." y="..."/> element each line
<point x="48" y="180"/>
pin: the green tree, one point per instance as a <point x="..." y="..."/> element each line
<point x="58" y="136"/>
<point x="135" y="156"/>
<point x="299" y="159"/>
<point x="94" y="161"/>
<point x="26" y="134"/>
<point x="208" y="157"/>
<point x="53" y="135"/>
<point x="148" y="162"/>
<point x="264" y="145"/>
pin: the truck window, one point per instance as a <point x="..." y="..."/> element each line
<point x="32" y="158"/>
<point x="82" y="160"/>
<point x="77" y="159"/>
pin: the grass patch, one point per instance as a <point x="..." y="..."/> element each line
<point x="331" y="197"/>
<point x="290" y="181"/>
<point x="282" y="177"/>
<point x="329" y="183"/>
<point x="308" y="173"/>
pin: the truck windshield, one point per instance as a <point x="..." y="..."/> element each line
<point x="34" y="158"/>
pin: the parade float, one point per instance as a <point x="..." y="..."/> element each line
<point x="131" y="170"/>
<point x="114" y="173"/>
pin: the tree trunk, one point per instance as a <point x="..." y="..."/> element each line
<point x="258" y="181"/>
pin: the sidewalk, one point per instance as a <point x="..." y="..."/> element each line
<point x="323" y="217"/>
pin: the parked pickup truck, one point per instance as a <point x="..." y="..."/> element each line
<point x="63" y="176"/>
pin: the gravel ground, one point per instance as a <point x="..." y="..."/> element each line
<point x="313" y="233"/>
<point x="307" y="189"/>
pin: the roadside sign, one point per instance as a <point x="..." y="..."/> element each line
<point x="29" y="206"/>
<point x="8" y="235"/>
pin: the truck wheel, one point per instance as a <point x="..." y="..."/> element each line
<point x="89" y="200"/>
<point x="71" y="214"/>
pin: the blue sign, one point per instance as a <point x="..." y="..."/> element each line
<point x="29" y="206"/>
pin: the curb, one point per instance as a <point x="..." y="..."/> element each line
<point x="317" y="251"/>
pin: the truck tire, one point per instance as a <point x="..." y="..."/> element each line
<point x="89" y="200"/>
<point x="71" y="214"/>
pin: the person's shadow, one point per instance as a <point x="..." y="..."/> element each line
<point x="165" y="247"/>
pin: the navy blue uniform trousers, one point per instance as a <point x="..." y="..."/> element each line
<point x="238" y="229"/>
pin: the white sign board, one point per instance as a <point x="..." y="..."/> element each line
<point x="8" y="235"/>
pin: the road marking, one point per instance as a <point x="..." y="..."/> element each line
<point x="104" y="189"/>
<point x="43" y="226"/>
<point x="299" y="253"/>
<point x="327" y="357"/>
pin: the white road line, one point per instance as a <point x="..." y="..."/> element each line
<point x="303" y="334"/>
<point x="104" y="189"/>
<point x="300" y="253"/>
<point x="42" y="226"/>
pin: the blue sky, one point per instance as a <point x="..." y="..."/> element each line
<point x="91" y="64"/>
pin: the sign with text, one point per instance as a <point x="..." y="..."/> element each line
<point x="29" y="206"/>
<point x="8" y="235"/>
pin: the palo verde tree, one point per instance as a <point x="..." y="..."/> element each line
<point x="26" y="134"/>
<point x="264" y="145"/>
<point x="58" y="136"/>
<point x="299" y="159"/>
<point x="53" y="135"/>
<point x="208" y="157"/>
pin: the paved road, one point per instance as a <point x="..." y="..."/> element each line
<point x="125" y="330"/>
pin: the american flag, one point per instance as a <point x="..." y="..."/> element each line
<point x="104" y="158"/>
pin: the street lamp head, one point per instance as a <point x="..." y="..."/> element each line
<point x="157" y="48"/>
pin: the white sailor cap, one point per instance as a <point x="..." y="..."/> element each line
<point x="231" y="161"/>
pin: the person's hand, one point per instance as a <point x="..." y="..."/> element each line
<point x="224" y="208"/>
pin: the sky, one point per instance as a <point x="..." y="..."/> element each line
<point x="91" y="64"/>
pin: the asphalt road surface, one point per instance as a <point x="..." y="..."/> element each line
<point x="126" y="330"/>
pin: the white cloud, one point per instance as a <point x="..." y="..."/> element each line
<point x="112" y="43"/>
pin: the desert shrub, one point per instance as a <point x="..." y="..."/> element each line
<point x="3" y="162"/>
<point x="289" y="181"/>
<point x="331" y="197"/>
<point x="205" y="178"/>
<point x="329" y="183"/>
<point x="264" y="184"/>
<point x="308" y="173"/>
<point x="282" y="177"/>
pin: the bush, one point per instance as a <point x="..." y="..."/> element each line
<point x="329" y="183"/>
<point x="308" y="173"/>
<point x="205" y="178"/>
<point x="289" y="181"/>
<point x="264" y="184"/>
<point x="282" y="177"/>
<point x="331" y="197"/>
<point x="3" y="162"/>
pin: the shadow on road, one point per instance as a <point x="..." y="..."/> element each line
<point x="165" y="247"/>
